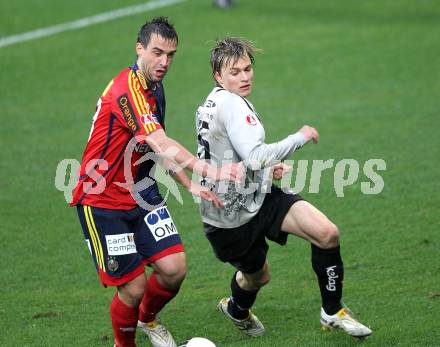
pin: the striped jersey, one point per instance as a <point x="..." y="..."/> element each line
<point x="230" y="130"/>
<point x="126" y="113"/>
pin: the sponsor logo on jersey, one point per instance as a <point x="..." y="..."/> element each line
<point x="127" y="111"/>
<point x="120" y="244"/>
<point x="141" y="78"/>
<point x="209" y="103"/>
<point x="142" y="148"/>
<point x="160" y="223"/>
<point x="251" y="119"/>
<point x="149" y="119"/>
<point x="149" y="122"/>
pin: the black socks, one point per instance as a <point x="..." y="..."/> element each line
<point x="328" y="266"/>
<point x="241" y="300"/>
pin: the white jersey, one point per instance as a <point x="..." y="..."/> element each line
<point x="229" y="130"/>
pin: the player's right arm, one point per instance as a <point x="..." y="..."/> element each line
<point x="170" y="149"/>
<point x="135" y="113"/>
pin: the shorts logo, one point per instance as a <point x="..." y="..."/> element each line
<point x="251" y="120"/>
<point x="120" y="244"/>
<point x="160" y="223"/>
<point x="128" y="113"/>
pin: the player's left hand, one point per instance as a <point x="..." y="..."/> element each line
<point x="279" y="170"/>
<point x="206" y="194"/>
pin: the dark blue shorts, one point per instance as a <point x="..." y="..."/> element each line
<point x="122" y="242"/>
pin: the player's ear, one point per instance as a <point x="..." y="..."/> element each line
<point x="139" y="48"/>
<point x="218" y="78"/>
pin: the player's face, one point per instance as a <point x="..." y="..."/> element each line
<point x="155" y="59"/>
<point x="237" y="76"/>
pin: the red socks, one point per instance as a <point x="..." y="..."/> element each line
<point x="124" y="322"/>
<point x="155" y="298"/>
<point x="124" y="318"/>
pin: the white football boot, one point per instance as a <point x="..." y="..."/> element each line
<point x="250" y="326"/>
<point x="344" y="320"/>
<point x="158" y="334"/>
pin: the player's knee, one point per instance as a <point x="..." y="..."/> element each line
<point x="132" y="294"/>
<point x="171" y="270"/>
<point x="173" y="275"/>
<point x="137" y="295"/>
<point x="330" y="236"/>
<point x="261" y="280"/>
<point x="265" y="279"/>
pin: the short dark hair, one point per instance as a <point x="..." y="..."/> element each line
<point x="160" y="26"/>
<point x="231" y="48"/>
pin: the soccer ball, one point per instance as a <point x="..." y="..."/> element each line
<point x="198" y="342"/>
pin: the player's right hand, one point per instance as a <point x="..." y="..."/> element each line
<point x="310" y="133"/>
<point x="279" y="170"/>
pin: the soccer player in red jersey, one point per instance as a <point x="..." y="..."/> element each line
<point x="125" y="220"/>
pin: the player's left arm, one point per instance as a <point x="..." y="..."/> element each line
<point x="246" y="134"/>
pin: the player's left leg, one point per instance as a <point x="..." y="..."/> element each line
<point x="163" y="285"/>
<point x="158" y="242"/>
<point x="306" y="221"/>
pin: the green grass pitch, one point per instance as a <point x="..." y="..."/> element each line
<point x="366" y="74"/>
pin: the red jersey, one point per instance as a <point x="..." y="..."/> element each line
<point x="127" y="108"/>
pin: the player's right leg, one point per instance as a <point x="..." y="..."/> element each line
<point x="124" y="311"/>
<point x="109" y="235"/>
<point x="244" y="248"/>
<point x="244" y="290"/>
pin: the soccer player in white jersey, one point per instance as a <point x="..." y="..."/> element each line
<point x="230" y="129"/>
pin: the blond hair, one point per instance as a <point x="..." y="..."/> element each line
<point x="231" y="49"/>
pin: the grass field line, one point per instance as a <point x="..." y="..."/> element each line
<point x="85" y="22"/>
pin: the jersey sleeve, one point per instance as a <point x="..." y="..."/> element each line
<point x="247" y="136"/>
<point x="133" y="109"/>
